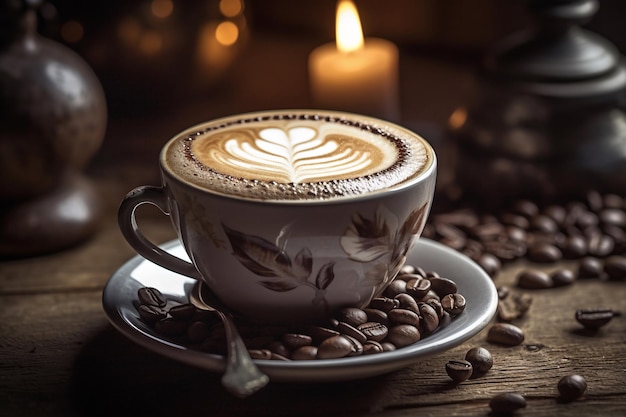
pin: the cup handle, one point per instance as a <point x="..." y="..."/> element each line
<point x="136" y="239"/>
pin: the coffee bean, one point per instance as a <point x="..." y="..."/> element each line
<point x="615" y="267"/>
<point x="351" y="315"/>
<point x="404" y="316"/>
<point x="503" y="292"/>
<point x="534" y="279"/>
<point x="371" y="347"/>
<point x="507" y="250"/>
<point x="507" y="403"/>
<point x="374" y="331"/>
<point x="357" y="346"/>
<point x="544" y="253"/>
<point x="513" y="307"/>
<point x="614" y="217"/>
<point x="505" y="334"/>
<point x="378" y="315"/>
<point x="319" y="333"/>
<point x="151" y="296"/>
<point x="296" y="340"/>
<point x="262" y="354"/>
<point x="562" y="277"/>
<point x="574" y="247"/>
<point x="526" y="208"/>
<point x="556" y="213"/>
<point x="544" y="224"/>
<point x="304" y="353"/>
<point x="403" y="335"/>
<point x="436" y="305"/>
<point x="348" y="330"/>
<point x="481" y="360"/>
<point x="384" y="303"/>
<point x="418" y="287"/>
<point x="388" y="346"/>
<point x="429" y="319"/>
<point x="334" y="347"/>
<point x="614" y="201"/>
<point x="183" y="311"/>
<point x="442" y="286"/>
<point x="571" y="387"/>
<point x="516" y="220"/>
<point x="150" y="313"/>
<point x="590" y="267"/>
<point x="453" y="304"/>
<point x="459" y="370"/>
<point x="406" y="269"/>
<point x="406" y="302"/>
<point x="594" y="318"/>
<point x="600" y="245"/>
<point x="279" y="348"/>
<point x="396" y="287"/>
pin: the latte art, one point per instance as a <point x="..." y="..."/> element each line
<point x="300" y="154"/>
<point x="296" y="156"/>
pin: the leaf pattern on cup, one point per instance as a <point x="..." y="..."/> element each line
<point x="384" y="240"/>
<point x="278" y="271"/>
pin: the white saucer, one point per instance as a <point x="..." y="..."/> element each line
<point x="120" y="299"/>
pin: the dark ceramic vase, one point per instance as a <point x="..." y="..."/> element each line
<point x="52" y="121"/>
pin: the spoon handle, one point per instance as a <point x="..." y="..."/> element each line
<point x="241" y="377"/>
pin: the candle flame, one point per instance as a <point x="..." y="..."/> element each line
<point x="348" y="27"/>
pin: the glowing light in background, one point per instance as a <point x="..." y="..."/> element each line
<point x="231" y="8"/>
<point x="162" y="8"/>
<point x="150" y="42"/>
<point x="457" y="118"/>
<point x="227" y="33"/>
<point x="72" y="31"/>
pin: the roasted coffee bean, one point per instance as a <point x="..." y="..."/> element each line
<point x="503" y="292"/>
<point x="388" y="346"/>
<point x="374" y="331"/>
<point x="406" y="302"/>
<point x="377" y="316"/>
<point x="615" y="267"/>
<point x="404" y="316"/>
<point x="304" y="353"/>
<point x="574" y="247"/>
<point x="556" y="213"/>
<point x="296" y="340"/>
<point x="429" y="319"/>
<point x="534" y="279"/>
<point x="481" y="360"/>
<point x="277" y="347"/>
<point x="396" y="287"/>
<point x="198" y="331"/>
<point x="507" y="403"/>
<point x="516" y="220"/>
<point x="320" y="333"/>
<point x="150" y="313"/>
<point x="384" y="303"/>
<point x="490" y="263"/>
<point x="544" y="253"/>
<point x="459" y="370"/>
<point x="335" y="347"/>
<point x="571" y="387"/>
<point x="614" y="201"/>
<point x="348" y="330"/>
<point x="182" y="311"/>
<point x="614" y="217"/>
<point x="371" y="347"/>
<point x="544" y="224"/>
<point x="151" y="296"/>
<point x="453" y="304"/>
<point x="594" y="318"/>
<point x="526" y="208"/>
<point x="418" y="287"/>
<point x="357" y="346"/>
<point x="351" y="315"/>
<point x="600" y="245"/>
<point x="505" y="334"/>
<point x="514" y="306"/>
<point x="590" y="267"/>
<point x="436" y="305"/>
<point x="508" y="250"/>
<point x="407" y="269"/>
<point x="262" y="354"/>
<point x="442" y="286"/>
<point x="562" y="277"/>
<point x="403" y="335"/>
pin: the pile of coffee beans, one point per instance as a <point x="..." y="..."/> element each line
<point x="414" y="306"/>
<point x="591" y="230"/>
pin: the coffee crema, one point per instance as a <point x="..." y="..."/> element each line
<point x="296" y="155"/>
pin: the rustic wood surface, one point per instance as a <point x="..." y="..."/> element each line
<point x="59" y="356"/>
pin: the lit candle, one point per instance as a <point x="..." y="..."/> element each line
<point x="354" y="74"/>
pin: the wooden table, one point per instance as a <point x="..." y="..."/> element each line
<point x="59" y="356"/>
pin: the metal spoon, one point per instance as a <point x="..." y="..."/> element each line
<point x="241" y="377"/>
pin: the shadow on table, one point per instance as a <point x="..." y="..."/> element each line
<point x="114" y="376"/>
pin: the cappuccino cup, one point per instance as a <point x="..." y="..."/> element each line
<point x="289" y="215"/>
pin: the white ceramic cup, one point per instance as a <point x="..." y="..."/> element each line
<point x="287" y="260"/>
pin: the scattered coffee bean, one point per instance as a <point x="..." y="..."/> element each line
<point x="590" y="267"/>
<point x="481" y="360"/>
<point x="374" y="331"/>
<point x="334" y="347"/>
<point x="615" y="267"/>
<point x="534" y="279"/>
<point x="505" y="334"/>
<point x="353" y="316"/>
<point x="442" y="286"/>
<point x="507" y="403"/>
<point x="453" y="304"/>
<point x="544" y="253"/>
<point x="151" y="296"/>
<point x="403" y="335"/>
<point x="594" y="318"/>
<point x="459" y="370"/>
<point x="562" y="277"/>
<point x="418" y="287"/>
<point x="513" y="306"/>
<point x="571" y="387"/>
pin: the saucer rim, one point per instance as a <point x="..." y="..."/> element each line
<point x="119" y="300"/>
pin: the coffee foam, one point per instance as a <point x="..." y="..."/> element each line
<point x="296" y="156"/>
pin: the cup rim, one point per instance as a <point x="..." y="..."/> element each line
<point x="428" y="170"/>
